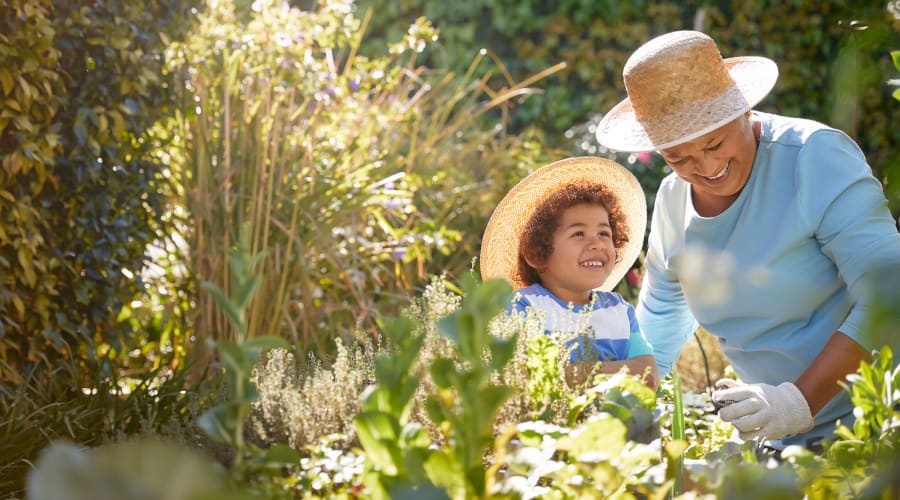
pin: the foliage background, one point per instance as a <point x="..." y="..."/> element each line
<point x="831" y="69"/>
<point x="103" y="152"/>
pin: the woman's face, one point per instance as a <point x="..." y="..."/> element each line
<point x="717" y="164"/>
<point x="583" y="253"/>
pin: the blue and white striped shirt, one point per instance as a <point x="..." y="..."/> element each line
<point x="608" y="332"/>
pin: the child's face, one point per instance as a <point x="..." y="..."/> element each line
<point x="583" y="253"/>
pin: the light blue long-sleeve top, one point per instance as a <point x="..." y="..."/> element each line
<point x="780" y="270"/>
<point x="605" y="329"/>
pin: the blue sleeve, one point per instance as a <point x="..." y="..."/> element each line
<point x="637" y="343"/>
<point x="519" y="305"/>
<point x="662" y="311"/>
<point x="846" y="207"/>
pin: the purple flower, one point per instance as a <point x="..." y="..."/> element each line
<point x="354" y="85"/>
<point x="399" y="252"/>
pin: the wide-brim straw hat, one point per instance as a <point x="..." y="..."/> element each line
<point x="680" y="88"/>
<point x="500" y="244"/>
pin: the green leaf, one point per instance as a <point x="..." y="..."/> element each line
<point x="445" y="470"/>
<point x="602" y="433"/>
<point x="282" y="454"/>
<point x="895" y="56"/>
<point x="448" y="327"/>
<point x="442" y="371"/>
<point x="502" y="350"/>
<point x="896" y="94"/>
<point x="399" y="330"/>
<point x="6" y="81"/>
<point x="244" y="292"/>
<point x="378" y="433"/>
<point x="218" y="423"/>
<point x="435" y="409"/>
<point x="234" y="314"/>
<point x="415" y="436"/>
<point x="491" y="398"/>
<point x="234" y="357"/>
<point x="266" y="342"/>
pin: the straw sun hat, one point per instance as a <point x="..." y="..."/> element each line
<point x="500" y="244"/>
<point x="680" y="88"/>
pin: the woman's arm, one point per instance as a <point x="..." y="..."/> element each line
<point x="662" y="311"/>
<point x="819" y="382"/>
<point x="853" y="226"/>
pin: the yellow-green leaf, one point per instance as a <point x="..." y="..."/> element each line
<point x="120" y="42"/>
<point x="19" y="305"/>
<point x="25" y="87"/>
<point x="12" y="104"/>
<point x="24" y="255"/>
<point x="6" y="81"/>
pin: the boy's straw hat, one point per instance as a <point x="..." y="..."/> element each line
<point x="680" y="88"/>
<point x="500" y="244"/>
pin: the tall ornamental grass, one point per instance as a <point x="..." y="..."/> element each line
<point x="356" y="176"/>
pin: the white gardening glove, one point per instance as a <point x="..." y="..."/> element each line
<point x="762" y="410"/>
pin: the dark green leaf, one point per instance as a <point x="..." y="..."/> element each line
<point x="217" y="424"/>
<point x="282" y="454"/>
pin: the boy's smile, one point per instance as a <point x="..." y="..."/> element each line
<point x="583" y="253"/>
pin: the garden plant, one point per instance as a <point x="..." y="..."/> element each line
<point x="236" y="252"/>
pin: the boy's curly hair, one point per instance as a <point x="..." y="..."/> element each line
<point x="536" y="240"/>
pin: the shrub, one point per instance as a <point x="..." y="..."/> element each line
<point x="80" y="192"/>
<point x="831" y="68"/>
<point x="353" y="173"/>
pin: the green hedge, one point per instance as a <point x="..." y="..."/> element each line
<point x="80" y="194"/>
<point x="830" y="70"/>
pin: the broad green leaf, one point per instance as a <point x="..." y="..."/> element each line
<point x="449" y="328"/>
<point x="386" y="371"/>
<point x="217" y="423"/>
<point x="234" y="314"/>
<point x="415" y="436"/>
<point x="377" y="432"/>
<point x="282" y="454"/>
<point x="895" y="56"/>
<point x="243" y="292"/>
<point x="434" y="409"/>
<point x="445" y="470"/>
<point x="234" y="357"/>
<point x="502" y="350"/>
<point x="442" y="371"/>
<point x="491" y="398"/>
<point x="380" y="425"/>
<point x="602" y="433"/>
<point x="675" y="448"/>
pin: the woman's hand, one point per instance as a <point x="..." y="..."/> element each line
<point x="762" y="410"/>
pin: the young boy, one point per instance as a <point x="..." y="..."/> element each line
<point x="564" y="237"/>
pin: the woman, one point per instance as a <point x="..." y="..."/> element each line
<point x="764" y="235"/>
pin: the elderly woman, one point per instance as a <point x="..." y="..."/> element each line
<point x="764" y="235"/>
